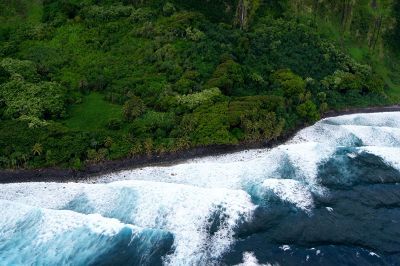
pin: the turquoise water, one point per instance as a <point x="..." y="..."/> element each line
<point x="330" y="196"/>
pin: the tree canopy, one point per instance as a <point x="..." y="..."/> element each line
<point x="86" y="81"/>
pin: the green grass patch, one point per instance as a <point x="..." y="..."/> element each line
<point x="93" y="113"/>
<point x="35" y="11"/>
<point x="357" y="53"/>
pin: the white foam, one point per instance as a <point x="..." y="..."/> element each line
<point x="306" y="157"/>
<point x="391" y="155"/>
<point x="186" y="211"/>
<point x="373" y="254"/>
<point x="212" y="172"/>
<point x="249" y="259"/>
<point x="240" y="174"/>
<point x="289" y="190"/>
<point x="375" y="136"/>
<point x="384" y="119"/>
<point x="323" y="133"/>
<point x="380" y="129"/>
<point x="53" y="223"/>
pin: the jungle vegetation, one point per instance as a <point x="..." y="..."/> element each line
<point x="93" y="80"/>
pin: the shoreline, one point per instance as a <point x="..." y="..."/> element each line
<point x="92" y="171"/>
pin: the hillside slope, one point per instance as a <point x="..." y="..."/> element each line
<point x="87" y="81"/>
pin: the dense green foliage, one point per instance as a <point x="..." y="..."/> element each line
<point x="86" y="81"/>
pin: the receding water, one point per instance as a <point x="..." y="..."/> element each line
<point x="330" y="196"/>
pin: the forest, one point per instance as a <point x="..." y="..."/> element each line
<point x="82" y="82"/>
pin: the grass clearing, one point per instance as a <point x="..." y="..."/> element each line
<point x="93" y="113"/>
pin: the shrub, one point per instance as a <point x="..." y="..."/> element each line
<point x="133" y="108"/>
<point x="24" y="68"/>
<point x="191" y="101"/>
<point x="291" y="84"/>
<point x="42" y="100"/>
<point x="227" y="76"/>
<point x="261" y="125"/>
<point x="308" y="111"/>
<point x="168" y="9"/>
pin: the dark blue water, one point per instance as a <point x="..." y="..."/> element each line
<point x="331" y="196"/>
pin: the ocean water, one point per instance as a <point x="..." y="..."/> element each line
<point x="329" y="196"/>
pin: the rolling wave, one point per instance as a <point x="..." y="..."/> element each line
<point x="37" y="236"/>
